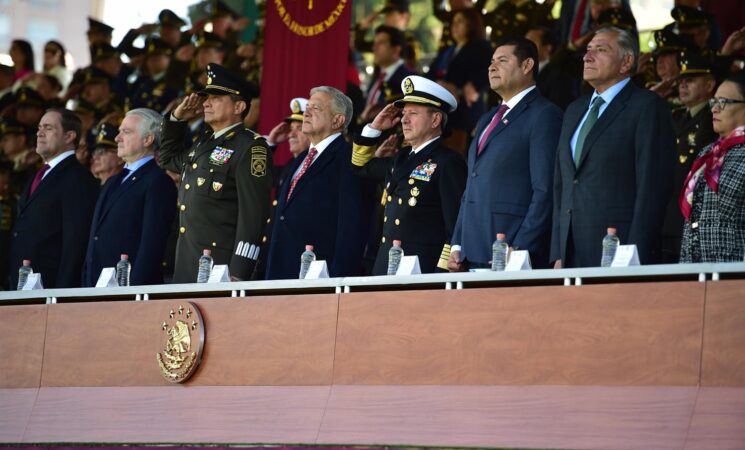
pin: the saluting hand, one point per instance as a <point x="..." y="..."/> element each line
<point x="280" y="133"/>
<point x="387" y="118"/>
<point x="189" y="108"/>
<point x="388" y="148"/>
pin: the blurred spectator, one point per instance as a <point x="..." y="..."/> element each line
<point x="29" y="107"/>
<point x="713" y="198"/>
<point x="462" y="69"/>
<point x="23" y="58"/>
<point x="555" y="82"/>
<point x="105" y="162"/>
<point x="54" y="64"/>
<point x="98" y="32"/>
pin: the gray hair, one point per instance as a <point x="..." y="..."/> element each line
<point x="340" y="103"/>
<point x="151" y="123"/>
<point x="628" y="44"/>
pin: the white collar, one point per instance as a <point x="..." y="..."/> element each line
<point x="416" y="150"/>
<point x="390" y="70"/>
<point x="511" y="103"/>
<point x="226" y="129"/>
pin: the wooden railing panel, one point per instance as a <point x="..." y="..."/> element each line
<point x="22" y="334"/>
<point x="724" y="335"/>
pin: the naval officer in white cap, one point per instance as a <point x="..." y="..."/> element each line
<point x="423" y="180"/>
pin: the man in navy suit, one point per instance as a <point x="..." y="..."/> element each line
<point x="615" y="159"/>
<point x="322" y="203"/>
<point x="510" y="165"/>
<point x="55" y="208"/>
<point x="136" y="208"/>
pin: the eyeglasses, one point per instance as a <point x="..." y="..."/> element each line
<point x="721" y="102"/>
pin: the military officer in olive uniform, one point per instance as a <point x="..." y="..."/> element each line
<point x="225" y="178"/>
<point x="693" y="131"/>
<point x="424" y="182"/>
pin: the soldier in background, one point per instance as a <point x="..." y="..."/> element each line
<point x="151" y="90"/>
<point x="693" y="131"/>
<point x="105" y="163"/>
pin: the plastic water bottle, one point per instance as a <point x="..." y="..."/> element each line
<point x="205" y="266"/>
<point x="610" y="245"/>
<point x="305" y="259"/>
<point x="24" y="272"/>
<point x="499" y="253"/>
<point x="123" y="268"/>
<point x="394" y="257"/>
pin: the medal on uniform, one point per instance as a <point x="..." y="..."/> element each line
<point x="220" y="155"/>
<point x="423" y="172"/>
<point x="683" y="159"/>
<point x="415" y="191"/>
<point x="384" y="198"/>
<point x="216" y="186"/>
<point x="411" y="181"/>
<point x="200" y="181"/>
<point x="692" y="139"/>
<point x="191" y="154"/>
<point x="412" y="201"/>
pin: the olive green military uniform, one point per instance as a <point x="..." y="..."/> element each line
<point x="223" y="198"/>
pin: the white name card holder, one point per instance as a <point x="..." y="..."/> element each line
<point x="33" y="282"/>
<point x="107" y="278"/>
<point x="219" y="274"/>
<point x="409" y="265"/>
<point x="626" y="255"/>
<point x="317" y="269"/>
<point x="519" y="260"/>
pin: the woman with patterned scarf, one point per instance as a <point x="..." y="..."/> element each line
<point x="713" y="197"/>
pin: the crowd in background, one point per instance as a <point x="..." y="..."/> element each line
<point x="691" y="57"/>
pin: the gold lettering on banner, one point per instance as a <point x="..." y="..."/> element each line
<point x="311" y="29"/>
<point x="183" y="343"/>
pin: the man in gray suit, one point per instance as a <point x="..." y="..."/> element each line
<point x="615" y="158"/>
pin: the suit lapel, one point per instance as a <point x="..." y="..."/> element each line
<point x="321" y="161"/>
<point x="45" y="182"/>
<point x="117" y="189"/>
<point x="609" y="115"/>
<point x="513" y="116"/>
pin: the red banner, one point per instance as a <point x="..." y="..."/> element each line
<point x="306" y="43"/>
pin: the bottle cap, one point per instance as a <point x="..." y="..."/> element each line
<point x="207" y="252"/>
<point x="26" y="262"/>
<point x="612" y="230"/>
<point x="396" y="242"/>
<point x="308" y="248"/>
<point x="501" y="236"/>
<point x="125" y="257"/>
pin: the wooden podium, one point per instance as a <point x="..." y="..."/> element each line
<point x="631" y="365"/>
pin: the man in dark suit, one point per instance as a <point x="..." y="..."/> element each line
<point x="55" y="208"/>
<point x="423" y="181"/>
<point x="390" y="70"/>
<point x="555" y="80"/>
<point x="615" y="158"/>
<point x="225" y="181"/>
<point x="510" y="165"/>
<point x="136" y="208"/>
<point x="322" y="203"/>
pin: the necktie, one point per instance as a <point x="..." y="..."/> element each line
<point x="38" y="177"/>
<point x="372" y="96"/>
<point x="579" y="19"/>
<point x="308" y="160"/>
<point x="494" y="121"/>
<point x="592" y="117"/>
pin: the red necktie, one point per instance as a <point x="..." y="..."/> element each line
<point x="494" y="121"/>
<point x="579" y="19"/>
<point x="372" y="97"/>
<point x="308" y="160"/>
<point x="38" y="177"/>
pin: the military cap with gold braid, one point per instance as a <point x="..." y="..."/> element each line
<point x="101" y="51"/>
<point x="26" y="96"/>
<point x="221" y="9"/>
<point x="205" y="39"/>
<point x="297" y="106"/>
<point x="617" y="17"/>
<point x="688" y="17"/>
<point x="11" y="126"/>
<point x="106" y="135"/>
<point x="668" y="42"/>
<point x="95" y="25"/>
<point x="694" y="64"/>
<point x="423" y="91"/>
<point x="220" y="81"/>
<point x="157" y="46"/>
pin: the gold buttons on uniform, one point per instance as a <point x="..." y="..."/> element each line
<point x="182" y="230"/>
<point x="212" y="170"/>
<point x="268" y="220"/>
<point x="183" y="208"/>
<point x="390" y="198"/>
<point x="194" y="166"/>
<point x="214" y="244"/>
<point x="398" y="222"/>
<point x="187" y="186"/>
<point x="400" y="201"/>
<point x="263" y="239"/>
<point x="274" y="203"/>
<point x="411" y="181"/>
<point x="382" y="239"/>
<point x="385" y="218"/>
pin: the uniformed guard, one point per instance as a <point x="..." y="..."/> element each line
<point x="424" y="181"/>
<point x="693" y="131"/>
<point x="151" y="90"/>
<point x="225" y="178"/>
